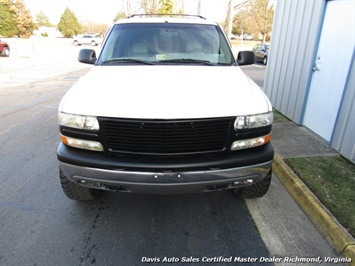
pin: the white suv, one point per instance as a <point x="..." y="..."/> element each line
<point x="165" y="109"/>
<point x="90" y="39"/>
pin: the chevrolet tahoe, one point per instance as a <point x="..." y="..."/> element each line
<point x="165" y="109"/>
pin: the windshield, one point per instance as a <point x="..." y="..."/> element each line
<point x="166" y="43"/>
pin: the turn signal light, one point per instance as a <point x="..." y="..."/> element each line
<point x="250" y="143"/>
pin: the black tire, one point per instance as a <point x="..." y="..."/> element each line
<point x="75" y="192"/>
<point x="6" y="52"/>
<point x="76" y="43"/>
<point x="257" y="190"/>
<point x="93" y="43"/>
<point x="265" y="60"/>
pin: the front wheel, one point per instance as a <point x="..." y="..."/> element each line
<point x="6" y="52"/>
<point x="265" y="60"/>
<point x="76" y="192"/>
<point x="257" y="190"/>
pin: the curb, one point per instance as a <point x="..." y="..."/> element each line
<point x="324" y="221"/>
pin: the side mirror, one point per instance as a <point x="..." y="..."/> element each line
<point x="246" y="58"/>
<point x="87" y="56"/>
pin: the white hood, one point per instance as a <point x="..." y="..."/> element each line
<point x="165" y="92"/>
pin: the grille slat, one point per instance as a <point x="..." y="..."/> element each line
<point x="163" y="137"/>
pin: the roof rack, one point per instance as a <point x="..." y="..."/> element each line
<point x="166" y="15"/>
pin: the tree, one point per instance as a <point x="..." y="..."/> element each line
<point x="166" y="7"/>
<point x="99" y="28"/>
<point x="119" y="15"/>
<point x="149" y="6"/>
<point x="8" y="25"/>
<point x="243" y="23"/>
<point x="69" y="24"/>
<point x="262" y="12"/>
<point x="255" y="16"/>
<point x="21" y="17"/>
<point x="42" y="20"/>
<point x="128" y="7"/>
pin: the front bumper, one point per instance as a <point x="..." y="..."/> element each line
<point x="165" y="175"/>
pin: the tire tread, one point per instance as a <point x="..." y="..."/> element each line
<point x="257" y="190"/>
<point x="75" y="192"/>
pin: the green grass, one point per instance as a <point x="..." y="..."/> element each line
<point x="332" y="180"/>
<point x="278" y="117"/>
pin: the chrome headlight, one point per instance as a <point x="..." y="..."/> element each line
<point x="78" y="121"/>
<point x="253" y="121"/>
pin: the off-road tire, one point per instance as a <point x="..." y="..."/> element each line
<point x="257" y="190"/>
<point x="75" y="192"/>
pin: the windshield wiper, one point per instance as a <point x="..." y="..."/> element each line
<point x="127" y="60"/>
<point x="188" y="61"/>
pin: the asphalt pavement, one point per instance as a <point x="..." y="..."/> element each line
<point x="37" y="59"/>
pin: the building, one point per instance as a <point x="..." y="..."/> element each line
<point x="311" y="72"/>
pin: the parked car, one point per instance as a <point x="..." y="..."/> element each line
<point x="248" y="37"/>
<point x="4" y="48"/>
<point x="158" y="114"/>
<point x="90" y="39"/>
<point x="261" y="52"/>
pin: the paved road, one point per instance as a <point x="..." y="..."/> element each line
<point x="40" y="226"/>
<point x="37" y="59"/>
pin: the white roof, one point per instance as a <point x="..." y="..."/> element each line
<point x="193" y="19"/>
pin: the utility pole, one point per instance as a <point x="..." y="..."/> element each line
<point x="199" y="7"/>
<point x="230" y="19"/>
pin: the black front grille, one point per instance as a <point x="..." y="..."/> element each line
<point x="165" y="137"/>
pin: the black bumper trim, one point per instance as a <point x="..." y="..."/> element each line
<point x="100" y="160"/>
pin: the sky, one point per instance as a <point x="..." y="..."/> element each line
<point x="103" y="11"/>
